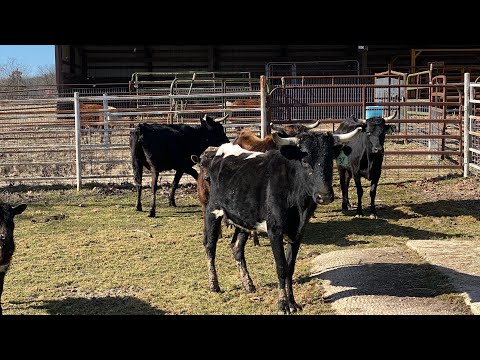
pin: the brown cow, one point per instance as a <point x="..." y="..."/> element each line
<point x="243" y="103"/>
<point x="249" y="141"/>
<point x="95" y="122"/>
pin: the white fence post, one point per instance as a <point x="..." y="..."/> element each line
<point x="466" y="123"/>
<point x="263" y="107"/>
<point x="106" y="120"/>
<point x="78" y="158"/>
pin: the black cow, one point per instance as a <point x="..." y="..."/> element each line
<point x="161" y="147"/>
<point x="274" y="192"/>
<point x="7" y="245"/>
<point x="363" y="157"/>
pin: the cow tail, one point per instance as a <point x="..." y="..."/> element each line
<point x="138" y="156"/>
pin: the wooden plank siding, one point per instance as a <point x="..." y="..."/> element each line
<point x="116" y="63"/>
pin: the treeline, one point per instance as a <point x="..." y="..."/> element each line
<point x="16" y="76"/>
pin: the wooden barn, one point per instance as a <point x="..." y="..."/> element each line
<point x="96" y="64"/>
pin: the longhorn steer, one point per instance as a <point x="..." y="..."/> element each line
<point x="249" y="141"/>
<point x="160" y="147"/>
<point x="275" y="192"/>
<point x="363" y="157"/>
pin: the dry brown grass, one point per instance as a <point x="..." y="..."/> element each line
<point x="89" y="252"/>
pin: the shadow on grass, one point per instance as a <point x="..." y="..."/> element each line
<point x="126" y="305"/>
<point x="433" y="208"/>
<point x="448" y="208"/>
<point x="398" y="279"/>
<point x="336" y="232"/>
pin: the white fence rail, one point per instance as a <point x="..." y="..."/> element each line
<point x="471" y="116"/>
<point x="54" y="140"/>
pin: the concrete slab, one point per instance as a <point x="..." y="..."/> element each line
<point x="459" y="260"/>
<point x="383" y="281"/>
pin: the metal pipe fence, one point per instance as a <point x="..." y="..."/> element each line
<point x="54" y="140"/>
<point x="39" y="143"/>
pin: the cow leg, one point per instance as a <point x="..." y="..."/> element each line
<point x="210" y="238"/>
<point x="345" y="177"/>
<point x="239" y="240"/>
<point x="255" y="238"/>
<point x="154" y="186"/>
<point x="276" y="242"/>
<point x="2" y="278"/>
<point x="358" y="185"/>
<point x="176" y="180"/>
<point x="373" y="194"/>
<point x="292" y="251"/>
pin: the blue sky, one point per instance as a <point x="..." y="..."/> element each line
<point x="31" y="56"/>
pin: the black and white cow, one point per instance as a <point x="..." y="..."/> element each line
<point x="7" y="244"/>
<point x="274" y="192"/>
<point x="363" y="157"/>
<point x="160" y="147"/>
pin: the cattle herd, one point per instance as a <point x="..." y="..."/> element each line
<point x="271" y="185"/>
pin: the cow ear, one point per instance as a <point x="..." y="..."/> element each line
<point x="389" y="129"/>
<point x="19" y="209"/>
<point x="292" y="152"/>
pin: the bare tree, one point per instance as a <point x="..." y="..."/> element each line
<point x="46" y="76"/>
<point x="13" y="73"/>
<point x="16" y="79"/>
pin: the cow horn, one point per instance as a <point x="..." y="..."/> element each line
<point x="314" y="125"/>
<point x="344" y="138"/>
<point x="391" y="117"/>
<point x="363" y="121"/>
<point x="284" y="141"/>
<point x="222" y="118"/>
<point x="276" y="127"/>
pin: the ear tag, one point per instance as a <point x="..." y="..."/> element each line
<point x="342" y="159"/>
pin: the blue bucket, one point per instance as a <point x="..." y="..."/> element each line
<point x="372" y="111"/>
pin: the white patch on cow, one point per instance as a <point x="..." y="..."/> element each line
<point x="218" y="213"/>
<point x="4" y="268"/>
<point x="261" y="226"/>
<point x="230" y="149"/>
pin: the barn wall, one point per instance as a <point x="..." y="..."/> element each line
<point x="116" y="63"/>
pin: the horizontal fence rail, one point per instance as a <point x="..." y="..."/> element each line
<point x="40" y="143"/>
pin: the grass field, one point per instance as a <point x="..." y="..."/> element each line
<point x="89" y="252"/>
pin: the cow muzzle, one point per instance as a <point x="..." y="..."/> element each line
<point x="377" y="150"/>
<point x="324" y="199"/>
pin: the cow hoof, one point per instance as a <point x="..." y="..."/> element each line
<point x="373" y="216"/>
<point x="138" y="208"/>
<point x="358" y="215"/>
<point x="283" y="308"/>
<point x="294" y="307"/>
<point x="172" y="203"/>
<point x="151" y="214"/>
<point x="250" y="288"/>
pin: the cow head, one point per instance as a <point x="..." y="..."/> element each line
<point x="214" y="131"/>
<point x="293" y="129"/>
<point x="7" y="245"/>
<point x="375" y="130"/>
<point x="315" y="152"/>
